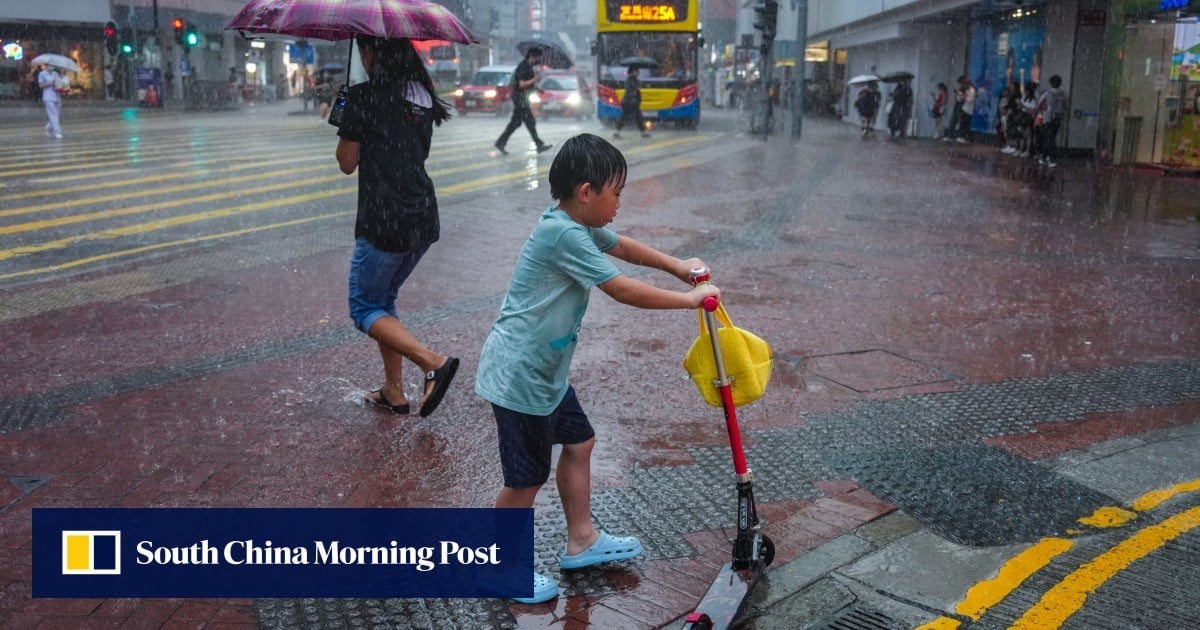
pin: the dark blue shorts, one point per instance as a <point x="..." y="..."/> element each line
<point x="526" y="441"/>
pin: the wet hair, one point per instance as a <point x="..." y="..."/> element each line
<point x="942" y="86"/>
<point x="586" y="159"/>
<point x="396" y="62"/>
<point x="1055" y="81"/>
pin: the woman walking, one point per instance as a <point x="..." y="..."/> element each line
<point x="386" y="133"/>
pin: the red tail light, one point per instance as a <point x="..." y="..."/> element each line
<point x="687" y="94"/>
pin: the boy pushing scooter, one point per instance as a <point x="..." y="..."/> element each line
<point x="525" y="360"/>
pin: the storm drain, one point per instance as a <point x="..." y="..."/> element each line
<point x="974" y="495"/>
<point x="858" y="618"/>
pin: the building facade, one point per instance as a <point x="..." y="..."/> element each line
<point x="1131" y="68"/>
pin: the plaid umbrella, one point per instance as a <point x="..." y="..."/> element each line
<point x="335" y="20"/>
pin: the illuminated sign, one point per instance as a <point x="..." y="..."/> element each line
<point x="647" y="13"/>
<point x="1173" y="4"/>
<point x="661" y="12"/>
<point x="13" y="50"/>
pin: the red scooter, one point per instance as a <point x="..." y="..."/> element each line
<point x="753" y="551"/>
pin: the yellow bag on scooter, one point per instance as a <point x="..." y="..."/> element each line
<point x="747" y="362"/>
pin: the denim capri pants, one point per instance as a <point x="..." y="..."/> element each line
<point x="375" y="278"/>
<point x="526" y="441"/>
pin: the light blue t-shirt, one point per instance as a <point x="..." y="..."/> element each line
<point x="525" y="360"/>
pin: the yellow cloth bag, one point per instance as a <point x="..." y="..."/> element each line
<point x="747" y="362"/>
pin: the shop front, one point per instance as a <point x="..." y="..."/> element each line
<point x="21" y="42"/>
<point x="1158" y="106"/>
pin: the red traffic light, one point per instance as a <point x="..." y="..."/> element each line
<point x="178" y="24"/>
<point x="110" y="30"/>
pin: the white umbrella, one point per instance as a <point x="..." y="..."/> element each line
<point x="862" y="78"/>
<point x="56" y="60"/>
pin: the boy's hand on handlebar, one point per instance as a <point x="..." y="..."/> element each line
<point x="703" y="291"/>
<point x="684" y="270"/>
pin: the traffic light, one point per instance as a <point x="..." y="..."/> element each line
<point x="766" y="14"/>
<point x="180" y="26"/>
<point x="190" y="38"/>
<point x="126" y="48"/>
<point x="110" y="39"/>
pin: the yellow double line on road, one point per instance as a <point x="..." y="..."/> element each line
<point x="1070" y="594"/>
<point x="463" y="187"/>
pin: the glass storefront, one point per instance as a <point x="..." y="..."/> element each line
<point x="1158" y="110"/>
<point x="1004" y="50"/>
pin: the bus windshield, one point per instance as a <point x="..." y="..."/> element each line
<point x="673" y="52"/>
<point x="442" y="53"/>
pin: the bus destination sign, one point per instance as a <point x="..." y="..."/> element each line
<point x="641" y="13"/>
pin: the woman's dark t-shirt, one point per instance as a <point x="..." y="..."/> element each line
<point x="397" y="205"/>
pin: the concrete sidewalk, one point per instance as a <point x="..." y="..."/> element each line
<point x="894" y="573"/>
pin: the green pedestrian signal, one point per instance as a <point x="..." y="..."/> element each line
<point x="126" y="48"/>
<point x="190" y="37"/>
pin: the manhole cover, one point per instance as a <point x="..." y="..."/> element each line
<point x="874" y="370"/>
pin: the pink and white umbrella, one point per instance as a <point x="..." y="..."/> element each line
<point x="335" y="20"/>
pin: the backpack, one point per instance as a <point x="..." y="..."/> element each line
<point x="1057" y="105"/>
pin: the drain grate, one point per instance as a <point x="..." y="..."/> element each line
<point x="858" y="618"/>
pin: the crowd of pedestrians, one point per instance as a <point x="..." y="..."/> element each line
<point x="1029" y="120"/>
<point x="1029" y="117"/>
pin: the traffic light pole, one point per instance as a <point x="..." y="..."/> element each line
<point x="767" y="16"/>
<point x="798" y="82"/>
<point x="158" y="42"/>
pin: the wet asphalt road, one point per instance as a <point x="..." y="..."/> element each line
<point x="948" y="323"/>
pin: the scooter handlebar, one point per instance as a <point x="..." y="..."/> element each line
<point x="700" y="275"/>
<point x="710" y="303"/>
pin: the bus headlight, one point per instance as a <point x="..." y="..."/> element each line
<point x="573" y="98"/>
<point x="534" y="98"/>
<point x="489" y="94"/>
<point x="458" y="92"/>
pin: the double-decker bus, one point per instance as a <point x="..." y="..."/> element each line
<point x="666" y="31"/>
<point x="441" y="59"/>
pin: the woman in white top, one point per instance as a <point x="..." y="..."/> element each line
<point x="48" y="80"/>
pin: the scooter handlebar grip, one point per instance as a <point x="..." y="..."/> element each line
<point x="710" y="303"/>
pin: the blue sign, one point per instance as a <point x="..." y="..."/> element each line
<point x="1173" y="4"/>
<point x="268" y="552"/>
<point x="301" y="54"/>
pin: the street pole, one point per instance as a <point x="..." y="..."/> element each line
<point x="161" y="51"/>
<point x="798" y="88"/>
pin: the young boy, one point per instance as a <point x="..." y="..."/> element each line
<point x="523" y="367"/>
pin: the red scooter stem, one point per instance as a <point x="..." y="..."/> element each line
<point x="724" y="386"/>
<point x="735" y="434"/>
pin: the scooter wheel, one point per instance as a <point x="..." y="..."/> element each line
<point x="766" y="551"/>
<point x="698" y="621"/>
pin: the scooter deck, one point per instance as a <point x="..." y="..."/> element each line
<point x="727" y="595"/>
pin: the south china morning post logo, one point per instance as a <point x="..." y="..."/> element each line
<point x="91" y="552"/>
<point x="267" y="552"/>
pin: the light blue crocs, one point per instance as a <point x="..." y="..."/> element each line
<point x="605" y="549"/>
<point x="544" y="590"/>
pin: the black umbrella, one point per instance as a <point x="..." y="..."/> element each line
<point x="896" y="77"/>
<point x="639" y="62"/>
<point x="552" y="54"/>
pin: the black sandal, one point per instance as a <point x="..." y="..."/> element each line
<point x="383" y="403"/>
<point x="440" y="378"/>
